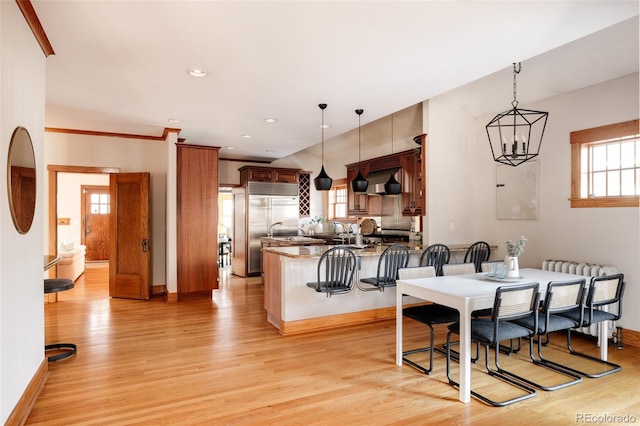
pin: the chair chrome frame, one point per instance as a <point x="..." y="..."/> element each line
<point x="392" y="258"/>
<point x="510" y="303"/>
<point x="561" y="296"/>
<point x="338" y="264"/>
<point x="604" y="292"/>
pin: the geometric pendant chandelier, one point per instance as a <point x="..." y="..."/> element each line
<point x="515" y="135"/>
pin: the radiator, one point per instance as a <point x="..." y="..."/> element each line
<point x="588" y="270"/>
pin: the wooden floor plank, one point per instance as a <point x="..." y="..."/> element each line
<point x="219" y="361"/>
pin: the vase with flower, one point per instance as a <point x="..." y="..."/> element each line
<point x="317" y="224"/>
<point x="514" y="249"/>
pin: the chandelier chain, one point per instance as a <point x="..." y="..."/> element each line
<point x="515" y="73"/>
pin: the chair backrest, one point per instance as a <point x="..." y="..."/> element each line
<point x="563" y="296"/>
<point x="477" y="253"/>
<point x="336" y="268"/>
<point x="393" y="258"/>
<point x="435" y="255"/>
<point x="603" y="291"/>
<point x="515" y="301"/>
<point x="416" y="272"/>
<point x="458" y="269"/>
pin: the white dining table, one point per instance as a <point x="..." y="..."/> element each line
<point x="468" y="293"/>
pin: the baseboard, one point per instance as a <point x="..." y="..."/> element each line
<point x="631" y="338"/>
<point x="336" y="321"/>
<point x="22" y="409"/>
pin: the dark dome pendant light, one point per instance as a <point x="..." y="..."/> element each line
<point x="392" y="186"/>
<point x="322" y="182"/>
<point x="359" y="183"/>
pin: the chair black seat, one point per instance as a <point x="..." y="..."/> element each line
<point x="432" y="314"/>
<point x="483" y="330"/>
<point x="598" y="315"/>
<point x="380" y="281"/>
<point x="556" y="322"/>
<point x="54" y="285"/>
<point x="334" y="287"/>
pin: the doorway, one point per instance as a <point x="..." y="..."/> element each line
<point x="225" y="227"/>
<point x="95" y="214"/>
<point x="67" y="226"/>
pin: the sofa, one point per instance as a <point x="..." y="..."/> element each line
<point x="72" y="264"/>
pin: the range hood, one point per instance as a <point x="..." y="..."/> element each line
<point x="377" y="180"/>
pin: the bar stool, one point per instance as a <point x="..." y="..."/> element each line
<point x="55" y="285"/>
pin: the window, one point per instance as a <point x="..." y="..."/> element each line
<point x="605" y="166"/>
<point x="338" y="201"/>
<point x="99" y="203"/>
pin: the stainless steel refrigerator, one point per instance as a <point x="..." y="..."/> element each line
<point x="266" y="204"/>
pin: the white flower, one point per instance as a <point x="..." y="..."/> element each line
<point x="515" y="249"/>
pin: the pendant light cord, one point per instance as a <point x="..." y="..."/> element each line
<point x="391" y="133"/>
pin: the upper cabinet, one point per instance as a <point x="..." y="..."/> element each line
<point x="267" y="174"/>
<point x="411" y="164"/>
<point x="357" y="203"/>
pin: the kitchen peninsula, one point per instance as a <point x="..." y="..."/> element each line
<point x="292" y="307"/>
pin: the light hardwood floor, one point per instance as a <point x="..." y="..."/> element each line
<point x="218" y="362"/>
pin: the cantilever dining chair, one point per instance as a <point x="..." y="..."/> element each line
<point x="510" y="303"/>
<point x="428" y="314"/>
<point x="435" y="255"/>
<point x="604" y="293"/>
<point x="393" y="258"/>
<point x="335" y="271"/>
<point x="477" y="253"/>
<point x="561" y="297"/>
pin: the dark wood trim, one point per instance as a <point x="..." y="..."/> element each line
<point x="31" y="17"/>
<point x="21" y="411"/>
<point x="247" y="161"/>
<point x="163" y="137"/>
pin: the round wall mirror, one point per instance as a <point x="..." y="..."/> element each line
<point x="21" y="180"/>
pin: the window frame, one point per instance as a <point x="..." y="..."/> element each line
<point x="337" y="184"/>
<point x="581" y="138"/>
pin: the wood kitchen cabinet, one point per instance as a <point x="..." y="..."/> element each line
<point x="412" y="183"/>
<point x="267" y="174"/>
<point x="357" y="203"/>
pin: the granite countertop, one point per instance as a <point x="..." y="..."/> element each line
<point x="293" y="239"/>
<point x="307" y="252"/>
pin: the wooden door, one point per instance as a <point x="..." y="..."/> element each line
<point x="130" y="262"/>
<point x="95" y="213"/>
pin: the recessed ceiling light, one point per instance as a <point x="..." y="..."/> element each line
<point x="324" y="126"/>
<point x="229" y="147"/>
<point x="197" y="72"/>
<point x="174" y="120"/>
<point x="246" y="136"/>
<point x="270" y="120"/>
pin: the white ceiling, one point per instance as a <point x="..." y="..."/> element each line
<point x="121" y="66"/>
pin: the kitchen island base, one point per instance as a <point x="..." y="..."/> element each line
<point x="293" y="308"/>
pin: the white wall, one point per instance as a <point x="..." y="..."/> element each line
<point x="70" y="200"/>
<point x="129" y="155"/>
<point x="461" y="181"/>
<point x="22" y="94"/>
